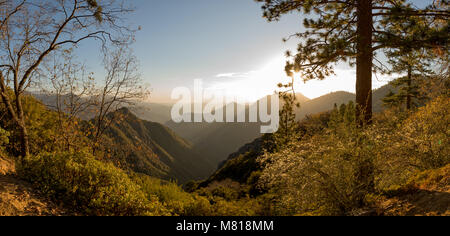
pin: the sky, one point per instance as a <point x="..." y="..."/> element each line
<point x="225" y="43"/>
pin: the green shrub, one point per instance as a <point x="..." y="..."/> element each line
<point x="242" y="207"/>
<point x="427" y="135"/>
<point x="336" y="170"/>
<point x="172" y="196"/>
<point x="324" y="176"/>
<point x="437" y="179"/>
<point x="4" y="138"/>
<point x="87" y="185"/>
<point x="419" y="142"/>
<point x="327" y="172"/>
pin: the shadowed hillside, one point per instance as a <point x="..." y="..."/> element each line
<point x="326" y="102"/>
<point x="153" y="149"/>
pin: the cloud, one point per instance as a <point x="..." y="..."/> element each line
<point x="225" y="75"/>
<point x="240" y="75"/>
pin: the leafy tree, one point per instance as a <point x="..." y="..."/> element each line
<point x="352" y="31"/>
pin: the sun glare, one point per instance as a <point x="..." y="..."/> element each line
<point x="254" y="85"/>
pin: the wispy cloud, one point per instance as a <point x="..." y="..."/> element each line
<point x="238" y="75"/>
<point x="225" y="75"/>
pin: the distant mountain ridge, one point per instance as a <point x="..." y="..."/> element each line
<point x="155" y="112"/>
<point x="219" y="140"/>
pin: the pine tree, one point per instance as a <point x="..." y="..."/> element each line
<point x="342" y="116"/>
<point x="408" y="92"/>
<point x="407" y="60"/>
<point x="288" y="123"/>
<point x="352" y="31"/>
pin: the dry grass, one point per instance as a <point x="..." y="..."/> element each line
<point x="428" y="194"/>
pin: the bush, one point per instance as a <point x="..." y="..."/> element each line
<point x="427" y="135"/>
<point x="4" y="138"/>
<point x="242" y="207"/>
<point x="319" y="177"/>
<point x="415" y="143"/>
<point x="327" y="172"/>
<point x="336" y="170"/>
<point x="48" y="131"/>
<point x="172" y="196"/>
<point x="437" y="180"/>
<point x="87" y="185"/>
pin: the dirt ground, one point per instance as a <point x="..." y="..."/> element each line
<point x="18" y="198"/>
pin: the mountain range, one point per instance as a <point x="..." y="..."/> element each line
<point x="147" y="141"/>
<point x="218" y="140"/>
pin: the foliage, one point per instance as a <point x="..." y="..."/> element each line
<point x="322" y="176"/>
<point x="4" y="138"/>
<point x="431" y="179"/>
<point x="44" y="129"/>
<point x="425" y="136"/>
<point x="88" y="186"/>
<point x="237" y="169"/>
<point x="177" y="201"/>
<point x="226" y="198"/>
<point x="288" y="122"/>
<point x="337" y="170"/>
<point x="415" y="65"/>
<point x="229" y="198"/>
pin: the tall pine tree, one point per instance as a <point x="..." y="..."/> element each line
<point x="352" y="31"/>
<point x="288" y="122"/>
<point x="415" y="66"/>
<point x="409" y="61"/>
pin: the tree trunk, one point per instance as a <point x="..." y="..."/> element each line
<point x="364" y="65"/>
<point x="17" y="117"/>
<point x="25" y="146"/>
<point x="364" y="62"/>
<point x="408" y="95"/>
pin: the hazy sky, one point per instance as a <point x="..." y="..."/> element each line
<point x="226" y="43"/>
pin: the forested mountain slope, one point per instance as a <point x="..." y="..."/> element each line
<point x="153" y="149"/>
